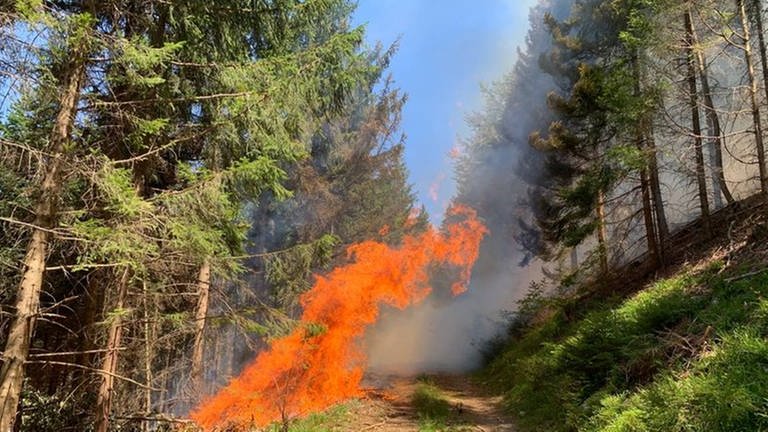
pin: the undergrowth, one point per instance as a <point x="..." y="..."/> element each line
<point x="326" y="421"/>
<point x="688" y="353"/>
<point x="435" y="411"/>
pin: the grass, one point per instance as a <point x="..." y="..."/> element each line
<point x="327" y="421"/>
<point x="435" y="411"/>
<point x="688" y="353"/>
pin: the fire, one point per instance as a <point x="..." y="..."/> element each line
<point x="321" y="362"/>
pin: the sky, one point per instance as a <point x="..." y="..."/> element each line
<point x="447" y="49"/>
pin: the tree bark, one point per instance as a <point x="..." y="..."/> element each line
<point x="651" y="236"/>
<point x="574" y="258"/>
<point x="602" y="232"/>
<point x="716" y="139"/>
<point x="203" y="289"/>
<point x="701" y="180"/>
<point x="759" y="145"/>
<point x="30" y="287"/>
<point x="94" y="303"/>
<point x="757" y="10"/>
<point x="662" y="227"/>
<point x="109" y="364"/>
<point x="654" y="215"/>
<point x="149" y="346"/>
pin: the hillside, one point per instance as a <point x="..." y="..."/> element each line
<point x="684" y="349"/>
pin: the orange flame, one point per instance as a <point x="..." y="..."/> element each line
<point x="321" y="362"/>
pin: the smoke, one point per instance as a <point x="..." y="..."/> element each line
<point x="447" y="335"/>
<point x="319" y="363"/>
<point x="495" y="169"/>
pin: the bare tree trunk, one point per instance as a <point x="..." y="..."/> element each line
<point x="149" y="342"/>
<point x="701" y="180"/>
<point x="642" y="135"/>
<point x="662" y="227"/>
<point x="94" y="303"/>
<point x="602" y="232"/>
<point x="109" y="364"/>
<point x="648" y="220"/>
<point x="203" y="289"/>
<point x="30" y="287"/>
<point x="163" y="404"/>
<point x="753" y="96"/>
<point x="574" y="258"/>
<point x="757" y="10"/>
<point x="716" y="139"/>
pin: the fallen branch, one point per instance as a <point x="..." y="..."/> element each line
<point x="69" y="353"/>
<point x="101" y="371"/>
<point x="159" y="418"/>
<point x="373" y="426"/>
<point x="747" y="275"/>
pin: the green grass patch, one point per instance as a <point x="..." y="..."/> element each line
<point x="435" y="411"/>
<point x="688" y="353"/>
<point x="330" y="420"/>
<point x="430" y="403"/>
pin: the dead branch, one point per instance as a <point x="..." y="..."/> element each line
<point x="79" y="366"/>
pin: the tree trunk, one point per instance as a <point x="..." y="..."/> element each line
<point x="28" y="293"/>
<point x="574" y="258"/>
<point x="753" y="96"/>
<point x="656" y="229"/>
<point x="109" y="364"/>
<point x="203" y="289"/>
<point x="757" y="10"/>
<point x="716" y="139"/>
<point x="94" y="303"/>
<point x="701" y="180"/>
<point x="662" y="227"/>
<point x="651" y="236"/>
<point x="602" y="232"/>
<point x="149" y="346"/>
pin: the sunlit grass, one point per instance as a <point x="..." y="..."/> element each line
<point x="434" y="409"/>
<point x="330" y="420"/>
<point x="688" y="353"/>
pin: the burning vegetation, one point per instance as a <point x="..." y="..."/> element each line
<point x="321" y="362"/>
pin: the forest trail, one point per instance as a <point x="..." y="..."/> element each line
<point x="391" y="407"/>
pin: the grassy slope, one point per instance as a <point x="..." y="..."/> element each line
<point x="686" y="353"/>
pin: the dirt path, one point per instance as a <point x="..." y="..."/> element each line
<point x="391" y="409"/>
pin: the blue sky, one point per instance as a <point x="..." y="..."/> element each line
<point x="447" y="49"/>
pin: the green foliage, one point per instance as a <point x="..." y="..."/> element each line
<point x="251" y="178"/>
<point x="327" y="421"/>
<point x="315" y="329"/>
<point x="430" y="402"/>
<point x="724" y="391"/>
<point x="141" y="63"/>
<point x="176" y="320"/>
<point x="49" y="412"/>
<point x="686" y="354"/>
<point x="187" y="113"/>
<point x="289" y="272"/>
<point x="119" y="313"/>
<point x="119" y="193"/>
<point x="435" y="412"/>
<point x="28" y="8"/>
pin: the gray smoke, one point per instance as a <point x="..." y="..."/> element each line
<point x="447" y="335"/>
<point x="451" y="334"/>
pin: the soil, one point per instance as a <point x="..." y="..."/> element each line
<point x="388" y="407"/>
